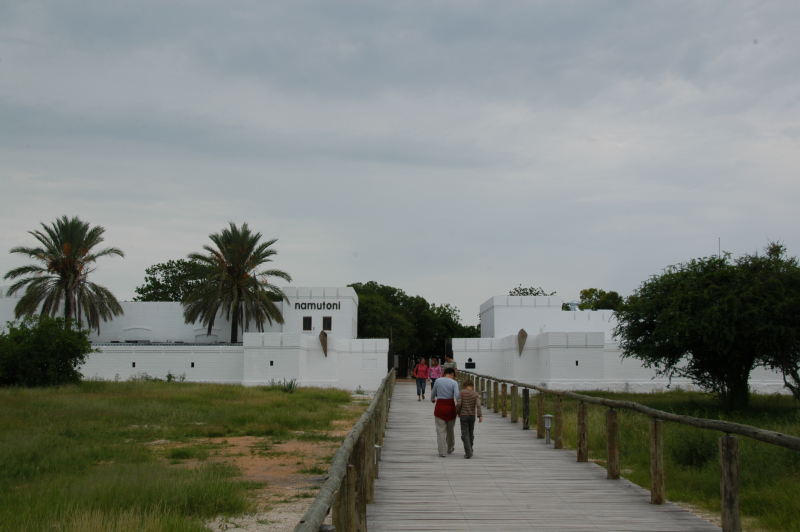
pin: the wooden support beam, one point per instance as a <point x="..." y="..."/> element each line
<point x="657" y="495"/>
<point x="583" y="432"/>
<point x="514" y="404"/>
<point x="729" y="483"/>
<point x="360" y="516"/>
<point x="344" y="510"/>
<point x="612" y="444"/>
<point x="558" y="424"/>
<point x="495" y="397"/>
<point x="504" y="401"/>
<point x="526" y="409"/>
<point x="540" y="415"/>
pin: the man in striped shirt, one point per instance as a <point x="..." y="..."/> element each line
<point x="469" y="407"/>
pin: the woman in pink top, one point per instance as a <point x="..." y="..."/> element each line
<point x="435" y="371"/>
<point x="421" y="374"/>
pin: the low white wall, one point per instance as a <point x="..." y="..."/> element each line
<point x="121" y="362"/>
<point x="349" y="364"/>
<point x="577" y="361"/>
<point x="262" y="359"/>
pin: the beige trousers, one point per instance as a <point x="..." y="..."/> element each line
<point x="445" y="436"/>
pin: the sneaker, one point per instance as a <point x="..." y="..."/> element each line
<point x="443" y="455"/>
<point x="450" y="451"/>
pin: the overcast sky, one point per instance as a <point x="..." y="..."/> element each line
<point x="452" y="149"/>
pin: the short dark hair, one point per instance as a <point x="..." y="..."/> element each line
<point x="468" y="384"/>
<point x="449" y="371"/>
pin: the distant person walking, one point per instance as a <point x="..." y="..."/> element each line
<point x="469" y="407"/>
<point x="445" y="394"/>
<point x="450" y="363"/>
<point x="435" y="371"/>
<point x="421" y="374"/>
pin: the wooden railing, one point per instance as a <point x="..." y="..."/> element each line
<point x="350" y="483"/>
<point x="499" y="398"/>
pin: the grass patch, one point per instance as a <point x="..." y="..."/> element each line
<point x="88" y="457"/>
<point x="769" y="474"/>
<point x="314" y="470"/>
<point x="192" y="452"/>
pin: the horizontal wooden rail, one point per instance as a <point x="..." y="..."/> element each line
<point x="728" y="427"/>
<point x="353" y="469"/>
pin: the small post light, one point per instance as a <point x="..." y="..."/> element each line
<point x="548" y="422"/>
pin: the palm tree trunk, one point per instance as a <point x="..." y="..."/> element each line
<point x="68" y="308"/>
<point x="235" y="324"/>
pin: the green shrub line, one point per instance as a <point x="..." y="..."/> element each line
<point x="769" y="474"/>
<point x="107" y="455"/>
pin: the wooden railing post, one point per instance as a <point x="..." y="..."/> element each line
<point x="495" y="398"/>
<point x="656" y="461"/>
<point x="344" y="511"/>
<point x="539" y="415"/>
<point x="729" y="483"/>
<point x="558" y="424"/>
<point x="359" y="458"/>
<point x="504" y="401"/>
<point x="583" y="432"/>
<point x="612" y="444"/>
<point x="514" y="404"/>
<point x="370" y="470"/>
<point x="526" y="409"/>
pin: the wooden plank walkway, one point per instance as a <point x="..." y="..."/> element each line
<point x="513" y="482"/>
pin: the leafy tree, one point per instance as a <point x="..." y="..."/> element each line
<point x="59" y="283"/>
<point x="413" y="325"/>
<point x="170" y="281"/>
<point x="233" y="284"/>
<point x="714" y="319"/>
<point x="774" y="290"/>
<point x="598" y="299"/>
<point x="529" y="291"/>
<point x="41" y="352"/>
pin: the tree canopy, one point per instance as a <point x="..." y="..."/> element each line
<point x="58" y="283"/>
<point x="41" y="352"/>
<point x="529" y="291"/>
<point x="714" y="319"/>
<point x="234" y="283"/>
<point x="599" y="299"/>
<point x="170" y="281"/>
<point x="413" y="325"/>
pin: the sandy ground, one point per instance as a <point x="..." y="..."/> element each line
<point x="290" y="473"/>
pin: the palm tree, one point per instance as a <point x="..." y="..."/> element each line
<point x="231" y="283"/>
<point x="61" y="278"/>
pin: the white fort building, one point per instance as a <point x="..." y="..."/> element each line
<point x="528" y="339"/>
<point x="316" y="345"/>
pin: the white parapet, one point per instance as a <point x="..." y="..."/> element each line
<point x="262" y="359"/>
<point x="577" y="361"/>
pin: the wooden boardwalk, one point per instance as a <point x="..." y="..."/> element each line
<point x="514" y="482"/>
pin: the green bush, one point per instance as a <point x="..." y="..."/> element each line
<point x="41" y="352"/>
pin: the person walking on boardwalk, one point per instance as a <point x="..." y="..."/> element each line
<point x="450" y="363"/>
<point x="445" y="394"/>
<point x="421" y="374"/>
<point x="435" y="371"/>
<point x="468" y="408"/>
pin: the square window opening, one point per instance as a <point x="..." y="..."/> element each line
<point x="306" y="323"/>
